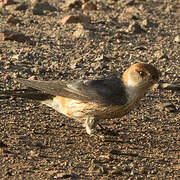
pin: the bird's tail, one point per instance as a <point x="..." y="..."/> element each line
<point x="25" y="93"/>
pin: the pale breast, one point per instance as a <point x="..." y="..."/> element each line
<point x="80" y="110"/>
<point x="70" y="107"/>
<point x="111" y="112"/>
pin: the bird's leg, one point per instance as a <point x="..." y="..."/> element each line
<point x="90" y="125"/>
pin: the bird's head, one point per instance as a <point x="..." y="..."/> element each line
<point x="140" y="77"/>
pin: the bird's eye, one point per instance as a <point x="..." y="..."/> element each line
<point x="142" y="73"/>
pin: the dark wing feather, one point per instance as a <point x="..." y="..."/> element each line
<point x="25" y="93"/>
<point x="104" y="92"/>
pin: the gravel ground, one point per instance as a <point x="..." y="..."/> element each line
<point x="46" y="40"/>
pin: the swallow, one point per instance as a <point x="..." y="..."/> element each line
<point x="91" y="101"/>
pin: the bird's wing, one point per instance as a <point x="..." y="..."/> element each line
<point x="28" y="93"/>
<point x="104" y="92"/>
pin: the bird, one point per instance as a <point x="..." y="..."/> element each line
<point x="91" y="101"/>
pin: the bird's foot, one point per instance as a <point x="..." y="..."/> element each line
<point x="90" y="125"/>
<point x="107" y="131"/>
<point x="91" y="129"/>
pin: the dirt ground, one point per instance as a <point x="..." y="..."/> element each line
<point x="38" y="42"/>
